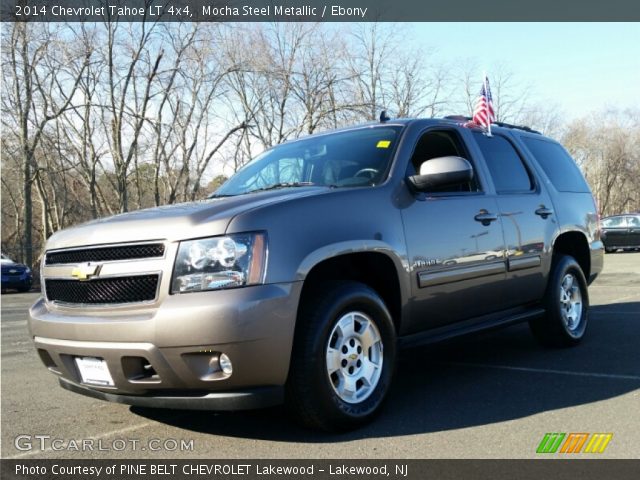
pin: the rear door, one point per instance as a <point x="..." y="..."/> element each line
<point x="527" y="215"/>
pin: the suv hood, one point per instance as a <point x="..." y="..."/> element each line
<point x="172" y="222"/>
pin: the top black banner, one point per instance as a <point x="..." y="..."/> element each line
<point x="319" y="10"/>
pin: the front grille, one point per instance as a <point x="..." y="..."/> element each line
<point x="140" y="288"/>
<point x="106" y="254"/>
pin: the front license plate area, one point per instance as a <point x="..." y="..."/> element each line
<point x="94" y="371"/>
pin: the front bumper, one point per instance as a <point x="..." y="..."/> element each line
<point x="15" y="281"/>
<point x="167" y="355"/>
<point x="248" y="399"/>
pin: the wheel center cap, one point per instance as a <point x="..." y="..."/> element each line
<point x="352" y="357"/>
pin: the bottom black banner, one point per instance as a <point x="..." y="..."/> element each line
<point x="199" y="469"/>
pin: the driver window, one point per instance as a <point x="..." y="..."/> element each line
<point x="442" y="144"/>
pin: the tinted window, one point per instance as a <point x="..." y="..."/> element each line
<point x="633" y="221"/>
<point x="434" y="144"/>
<point x="557" y="164"/>
<point x="506" y="167"/>
<point x="614" y="222"/>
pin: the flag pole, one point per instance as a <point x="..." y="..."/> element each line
<point x="486" y="104"/>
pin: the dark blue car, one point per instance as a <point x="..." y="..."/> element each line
<point x="15" y="275"/>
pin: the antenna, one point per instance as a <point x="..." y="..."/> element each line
<point x="384" y="117"/>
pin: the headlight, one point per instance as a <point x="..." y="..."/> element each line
<point x="220" y="262"/>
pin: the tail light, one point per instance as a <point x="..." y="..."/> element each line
<point x="598" y="224"/>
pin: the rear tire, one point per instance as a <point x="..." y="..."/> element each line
<point x="343" y="357"/>
<point x="566" y="303"/>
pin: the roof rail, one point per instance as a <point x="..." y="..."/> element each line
<point x="499" y="124"/>
<point x="519" y="127"/>
<point x="458" y="118"/>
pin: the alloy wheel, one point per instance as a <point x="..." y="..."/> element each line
<point x="354" y="357"/>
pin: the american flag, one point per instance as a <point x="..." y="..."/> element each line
<point x="483" y="113"/>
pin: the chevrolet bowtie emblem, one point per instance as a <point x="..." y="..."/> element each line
<point x="84" y="271"/>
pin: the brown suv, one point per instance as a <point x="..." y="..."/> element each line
<point x="301" y="276"/>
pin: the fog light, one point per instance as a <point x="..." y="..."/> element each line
<point x="225" y="364"/>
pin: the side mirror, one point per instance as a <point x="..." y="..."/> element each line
<point x="441" y="172"/>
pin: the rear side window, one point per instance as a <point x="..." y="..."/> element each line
<point x="507" y="170"/>
<point x="557" y="164"/>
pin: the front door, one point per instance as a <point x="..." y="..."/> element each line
<point x="455" y="243"/>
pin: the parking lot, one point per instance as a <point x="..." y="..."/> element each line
<point x="489" y="396"/>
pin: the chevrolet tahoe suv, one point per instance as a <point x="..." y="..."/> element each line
<point x="298" y="280"/>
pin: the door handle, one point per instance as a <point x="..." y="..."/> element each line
<point x="544" y="212"/>
<point x="485" y="217"/>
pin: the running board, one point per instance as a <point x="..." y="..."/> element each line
<point x="467" y="327"/>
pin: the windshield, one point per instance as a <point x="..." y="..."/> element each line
<point x="342" y="159"/>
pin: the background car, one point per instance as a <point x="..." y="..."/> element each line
<point x="621" y="231"/>
<point x="15" y="275"/>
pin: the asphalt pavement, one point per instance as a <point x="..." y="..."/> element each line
<point x="494" y="395"/>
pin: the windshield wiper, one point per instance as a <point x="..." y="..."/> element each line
<point x="275" y="186"/>
<point x="221" y="195"/>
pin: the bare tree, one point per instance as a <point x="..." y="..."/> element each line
<point x="316" y="82"/>
<point x="130" y="81"/>
<point x="607" y="147"/>
<point x="188" y="128"/>
<point x="546" y="117"/>
<point x="417" y="89"/>
<point x="109" y="117"/>
<point x="373" y="47"/>
<point x="510" y="97"/>
<point x="40" y="86"/>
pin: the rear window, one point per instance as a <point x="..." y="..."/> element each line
<point x="558" y="165"/>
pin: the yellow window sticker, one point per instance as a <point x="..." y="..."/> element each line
<point x="383" y="144"/>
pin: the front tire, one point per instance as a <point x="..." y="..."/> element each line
<point x="566" y="304"/>
<point x="343" y="357"/>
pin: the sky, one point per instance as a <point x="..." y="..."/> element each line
<point x="581" y="67"/>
